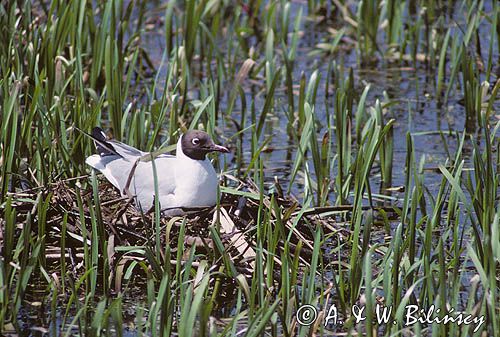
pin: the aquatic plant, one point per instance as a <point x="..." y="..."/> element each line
<point x="312" y="83"/>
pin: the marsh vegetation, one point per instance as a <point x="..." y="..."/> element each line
<point x="364" y="165"/>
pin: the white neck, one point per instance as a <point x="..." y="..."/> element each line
<point x="179" y="154"/>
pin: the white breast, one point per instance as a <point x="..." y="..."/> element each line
<point x="196" y="183"/>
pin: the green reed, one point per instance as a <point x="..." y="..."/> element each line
<point x="368" y="17"/>
<point x="68" y="64"/>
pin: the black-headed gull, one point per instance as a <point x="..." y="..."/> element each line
<point x="185" y="180"/>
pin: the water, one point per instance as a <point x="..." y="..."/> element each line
<point x="415" y="110"/>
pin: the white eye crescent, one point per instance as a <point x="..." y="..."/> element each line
<point x="195" y="141"/>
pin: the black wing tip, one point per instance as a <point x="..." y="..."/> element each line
<point x="101" y="143"/>
<point x="99" y="134"/>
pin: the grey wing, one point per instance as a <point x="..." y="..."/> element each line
<point x="108" y="147"/>
<point x="115" y="168"/>
<point x="126" y="151"/>
<point x="131" y="153"/>
<point x="143" y="182"/>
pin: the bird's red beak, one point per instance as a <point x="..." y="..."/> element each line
<point x="219" y="148"/>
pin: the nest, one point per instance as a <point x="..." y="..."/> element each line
<point x="119" y="224"/>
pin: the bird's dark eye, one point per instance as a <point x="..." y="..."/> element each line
<point x="195" y="141"/>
